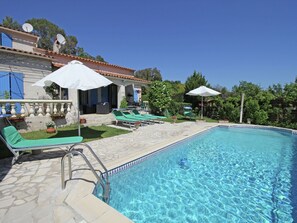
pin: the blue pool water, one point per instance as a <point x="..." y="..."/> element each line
<point x="224" y="175"/>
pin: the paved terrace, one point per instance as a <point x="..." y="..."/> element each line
<point x="31" y="191"/>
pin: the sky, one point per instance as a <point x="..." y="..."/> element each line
<point x="228" y="41"/>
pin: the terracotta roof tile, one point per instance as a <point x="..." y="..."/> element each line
<point x="26" y="52"/>
<point x="112" y="74"/>
<point x="85" y="59"/>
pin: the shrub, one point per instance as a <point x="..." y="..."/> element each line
<point x="50" y="124"/>
<point x="124" y="103"/>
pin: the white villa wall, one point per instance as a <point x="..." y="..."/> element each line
<point x="32" y="68"/>
<point x="21" y="40"/>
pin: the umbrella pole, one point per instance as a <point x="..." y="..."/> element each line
<point x="201" y="107"/>
<point x="78" y="113"/>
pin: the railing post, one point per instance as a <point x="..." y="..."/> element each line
<point x="3" y="109"/>
<point x="48" y="110"/>
<point x="62" y="108"/>
<point x="13" y="112"/>
<point x="55" y="108"/>
<point x="31" y="110"/>
<point x="68" y="107"/>
<point x="22" y="109"/>
<point x="40" y="110"/>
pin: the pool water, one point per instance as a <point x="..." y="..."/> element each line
<point x="225" y="175"/>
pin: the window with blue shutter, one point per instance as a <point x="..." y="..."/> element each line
<point x="4" y="85"/>
<point x="136" y="97"/>
<point x="5" y="40"/>
<point x="12" y="87"/>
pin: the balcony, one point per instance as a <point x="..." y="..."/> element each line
<point x="31" y="115"/>
<point x="31" y="108"/>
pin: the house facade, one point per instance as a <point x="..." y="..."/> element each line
<point x="22" y="64"/>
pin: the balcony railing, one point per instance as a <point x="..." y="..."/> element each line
<point x="32" y="108"/>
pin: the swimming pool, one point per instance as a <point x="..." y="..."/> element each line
<point x="227" y="174"/>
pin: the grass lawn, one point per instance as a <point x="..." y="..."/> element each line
<point x="89" y="133"/>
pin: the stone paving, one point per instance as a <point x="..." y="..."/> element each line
<point x="30" y="191"/>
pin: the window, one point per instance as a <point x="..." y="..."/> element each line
<point x="5" y="40"/>
<point x="11" y="86"/>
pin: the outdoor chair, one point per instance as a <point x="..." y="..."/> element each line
<point x="188" y="113"/>
<point x="17" y="144"/>
<point x="144" y="120"/>
<point x="120" y="117"/>
<point x="147" y="115"/>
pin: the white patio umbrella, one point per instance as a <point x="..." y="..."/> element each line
<point x="75" y="75"/>
<point x="203" y="92"/>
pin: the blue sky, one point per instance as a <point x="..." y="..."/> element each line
<point x="227" y="40"/>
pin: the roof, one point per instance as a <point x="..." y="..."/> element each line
<point x="12" y="50"/>
<point x="20" y="31"/>
<point x="89" y="60"/>
<point x="111" y="74"/>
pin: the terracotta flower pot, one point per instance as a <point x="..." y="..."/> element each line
<point x="17" y="119"/>
<point x="51" y="130"/>
<point x="82" y="121"/>
<point x="174" y="118"/>
<point x="137" y="124"/>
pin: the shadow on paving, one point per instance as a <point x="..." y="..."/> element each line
<point x="5" y="166"/>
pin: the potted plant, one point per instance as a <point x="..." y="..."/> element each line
<point x="50" y="127"/>
<point x="17" y="118"/>
<point x="82" y="121"/>
<point x="174" y="118"/>
<point x="57" y="116"/>
<point x="137" y="124"/>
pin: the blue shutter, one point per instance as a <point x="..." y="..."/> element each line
<point x="4" y="84"/>
<point x="17" y="86"/>
<point x="136" y="99"/>
<point x="6" y="40"/>
<point x="13" y="84"/>
<point x="4" y="87"/>
<point x="17" y="89"/>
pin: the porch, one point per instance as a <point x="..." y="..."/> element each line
<point x="103" y="100"/>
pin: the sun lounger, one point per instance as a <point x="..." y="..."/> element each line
<point x="120" y="117"/>
<point x="16" y="143"/>
<point x="145" y="120"/>
<point x="147" y="115"/>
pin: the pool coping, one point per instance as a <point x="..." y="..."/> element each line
<point x="92" y="209"/>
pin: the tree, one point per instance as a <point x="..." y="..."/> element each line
<point x="9" y="22"/>
<point x="82" y="53"/>
<point x="248" y="88"/>
<point x="192" y="82"/>
<point x="150" y="74"/>
<point x="159" y="97"/>
<point x="176" y="90"/>
<point x="47" y="32"/>
<point x="100" y="58"/>
<point x="70" y="46"/>
<point x="278" y="104"/>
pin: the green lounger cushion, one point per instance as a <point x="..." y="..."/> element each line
<point x="120" y="117"/>
<point x="140" y="118"/>
<point x="148" y="115"/>
<point x="16" y="141"/>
